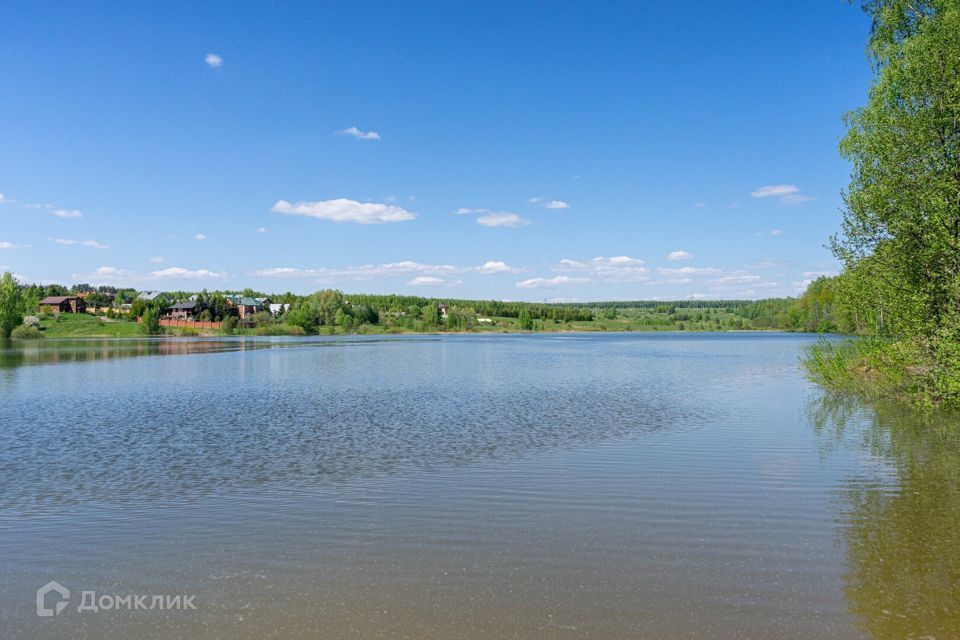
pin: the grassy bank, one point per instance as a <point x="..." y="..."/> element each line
<point x="88" y="326"/>
<point x="82" y="325"/>
<point x="921" y="373"/>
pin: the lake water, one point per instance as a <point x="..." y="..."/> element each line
<point x="550" y="486"/>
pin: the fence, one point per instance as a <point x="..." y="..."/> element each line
<point x="196" y="324"/>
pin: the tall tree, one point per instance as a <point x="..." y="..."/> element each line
<point x="901" y="227"/>
<point x="11" y="305"/>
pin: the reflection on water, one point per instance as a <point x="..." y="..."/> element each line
<point x="601" y="486"/>
<point x="16" y="354"/>
<point x="63" y="351"/>
<point x="228" y="423"/>
<point x="901" y="518"/>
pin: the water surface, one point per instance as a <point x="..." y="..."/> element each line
<point x="578" y="485"/>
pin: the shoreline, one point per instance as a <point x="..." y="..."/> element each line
<point x="165" y="336"/>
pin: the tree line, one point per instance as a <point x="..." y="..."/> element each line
<point x="900" y="239"/>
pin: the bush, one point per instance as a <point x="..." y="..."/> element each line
<point x="228" y="325"/>
<point x="280" y="330"/>
<point x="918" y="372"/>
<point x="26" y="332"/>
<point x="150" y="322"/>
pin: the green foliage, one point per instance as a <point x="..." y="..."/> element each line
<point x="11" y="305"/>
<point x="75" y="325"/>
<point x="24" y="332"/>
<point x="460" y="318"/>
<point x="900" y="243"/>
<point x="279" y="330"/>
<point x="901" y="227"/>
<point x="150" y="322"/>
<point x="228" y="324"/>
<point x="526" y="320"/>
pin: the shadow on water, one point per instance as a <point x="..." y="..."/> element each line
<point x="901" y="516"/>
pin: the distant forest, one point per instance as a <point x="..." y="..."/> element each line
<point x="330" y="308"/>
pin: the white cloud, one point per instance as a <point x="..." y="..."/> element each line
<point x="179" y="273"/>
<point x="213" y="61"/>
<point x="491" y="218"/>
<point x="432" y="281"/>
<point x="788" y="194"/>
<point x="817" y="274"/>
<point x="119" y="276"/>
<point x="775" y="191"/>
<point x="776" y="232"/>
<point x="699" y="205"/>
<point x="688" y="271"/>
<point x="502" y="219"/>
<point x="354" y="132"/>
<point x="261" y="229"/>
<point x="496" y="266"/>
<point x="549" y="204"/>
<point x="344" y="210"/>
<point x="199" y="236"/>
<point x="9" y="245"/>
<point x="614" y="269"/>
<point x="362" y="272"/>
<point x="537" y="283"/>
<point x="93" y="244"/>
<point x="112" y="272"/>
<point x="156" y="259"/>
<point x="4" y="199"/>
<point x="67" y="213"/>
<point x="736" y="280"/>
<point x="390" y="269"/>
<point x="678" y="255"/>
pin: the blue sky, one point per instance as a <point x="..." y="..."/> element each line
<point x="522" y="151"/>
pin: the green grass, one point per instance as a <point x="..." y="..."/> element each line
<point x="83" y="325"/>
<point x="915" y="372"/>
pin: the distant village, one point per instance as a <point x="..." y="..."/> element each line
<point x="201" y="310"/>
<point x="227" y="310"/>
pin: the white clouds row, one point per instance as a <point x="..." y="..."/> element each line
<point x="405" y="267"/>
<point x="116" y="275"/>
<point x="53" y="209"/>
<point x="537" y="283"/>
